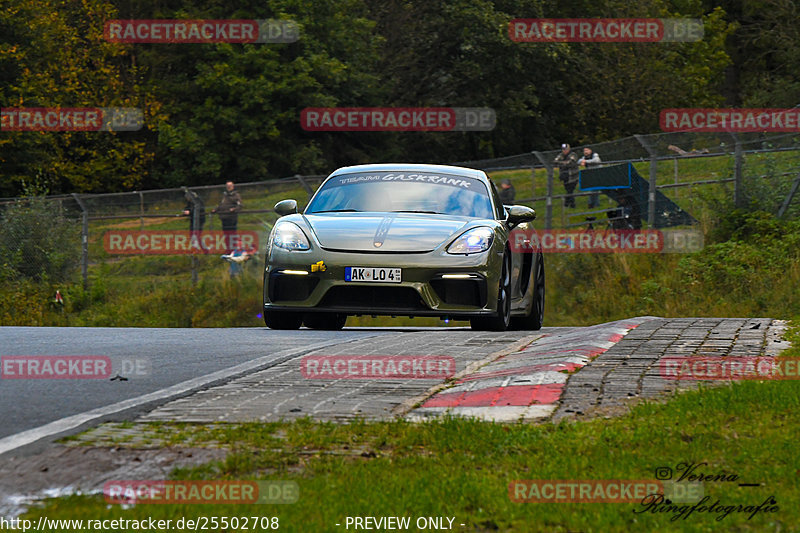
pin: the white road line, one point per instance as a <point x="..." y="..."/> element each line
<point x="68" y="423"/>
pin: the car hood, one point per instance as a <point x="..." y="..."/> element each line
<point x="384" y="232"/>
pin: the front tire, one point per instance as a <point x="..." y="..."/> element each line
<point x="503" y="318"/>
<point x="283" y="319"/>
<point x="534" y="319"/>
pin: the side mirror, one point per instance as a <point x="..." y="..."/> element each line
<point x="286" y="207"/>
<point x="517" y="214"/>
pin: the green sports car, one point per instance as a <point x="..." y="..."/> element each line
<point x="407" y="240"/>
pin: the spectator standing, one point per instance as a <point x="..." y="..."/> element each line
<point x="228" y="211"/>
<point x="507" y="192"/>
<point x="567" y="162"/>
<point x="589" y="160"/>
<point x="229" y="207"/>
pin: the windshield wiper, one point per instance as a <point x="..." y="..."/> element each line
<point x="335" y="211"/>
<point x="415" y="211"/>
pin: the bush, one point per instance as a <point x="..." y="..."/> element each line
<point x="37" y="242"/>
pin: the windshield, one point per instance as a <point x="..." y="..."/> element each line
<point x="403" y="192"/>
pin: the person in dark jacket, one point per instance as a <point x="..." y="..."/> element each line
<point x="567" y="162"/>
<point x="506" y="192"/>
<point x="228" y="212"/>
<point x="229" y="207"/>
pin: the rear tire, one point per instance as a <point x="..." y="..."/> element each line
<point x="503" y="318"/>
<point x="326" y="321"/>
<point x="283" y="319"/>
<point x="534" y="319"/>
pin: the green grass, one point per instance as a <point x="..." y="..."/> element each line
<point x="462" y="468"/>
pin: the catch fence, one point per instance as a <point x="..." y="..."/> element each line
<point x="690" y="169"/>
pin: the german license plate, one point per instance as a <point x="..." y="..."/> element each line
<point x="380" y="275"/>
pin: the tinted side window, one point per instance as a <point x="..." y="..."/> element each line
<point x="498" y="204"/>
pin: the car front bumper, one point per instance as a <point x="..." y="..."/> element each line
<point x="433" y="283"/>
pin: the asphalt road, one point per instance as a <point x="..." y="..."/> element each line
<point x="152" y="360"/>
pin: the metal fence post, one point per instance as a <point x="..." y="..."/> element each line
<point x="738" y="156"/>
<point x="548" y="214"/>
<point x="84" y="241"/>
<point x="141" y="210"/>
<point x="191" y="196"/>
<point x="788" y="199"/>
<point x="306" y="186"/>
<point x="651" y="195"/>
<point x="675" y="166"/>
<point x="195" y="224"/>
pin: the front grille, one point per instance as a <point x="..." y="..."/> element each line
<point x="470" y="292"/>
<point x="288" y="288"/>
<point x="394" y="298"/>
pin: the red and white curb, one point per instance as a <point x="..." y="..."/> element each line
<point x="527" y="384"/>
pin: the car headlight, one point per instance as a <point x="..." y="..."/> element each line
<point x="289" y="237"/>
<point x="472" y="241"/>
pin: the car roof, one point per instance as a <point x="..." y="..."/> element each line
<point x="414" y="167"/>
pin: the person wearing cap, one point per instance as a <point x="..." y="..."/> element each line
<point x="567" y="162"/>
<point x="507" y="192"/>
<point x="591" y="159"/>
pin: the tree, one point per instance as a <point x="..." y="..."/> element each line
<point x="233" y="110"/>
<point x="766" y="57"/>
<point x="618" y="89"/>
<point x="54" y="55"/>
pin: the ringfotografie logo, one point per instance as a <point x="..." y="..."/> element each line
<point x="692" y="472"/>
